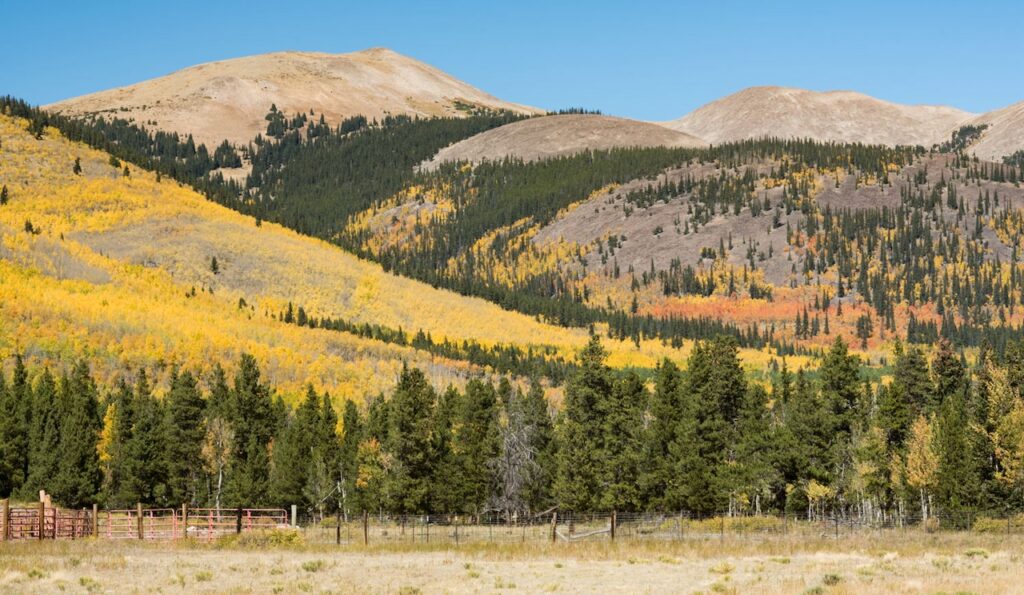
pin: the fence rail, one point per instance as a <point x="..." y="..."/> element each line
<point x="42" y="522"/>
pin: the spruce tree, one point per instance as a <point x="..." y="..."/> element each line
<point x="352" y="426"/>
<point x="145" y="469"/>
<point x="665" y="411"/>
<point x="78" y="476"/>
<point x="44" y="437"/>
<point x="10" y="444"/>
<point x="445" y="497"/>
<point x="185" y="428"/>
<point x="958" y="481"/>
<point x="475" y="446"/>
<point x="253" y="418"/>
<point x="906" y="397"/>
<point x="755" y="480"/>
<point x="541" y="445"/>
<point x="715" y="388"/>
<point x="118" y="424"/>
<point x="15" y="419"/>
<point x="803" y="452"/>
<point x="622" y="424"/>
<point x="292" y="454"/>
<point x="580" y="458"/>
<point x="408" y="443"/>
<point x="4" y="195"/>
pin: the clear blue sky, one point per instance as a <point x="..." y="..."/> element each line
<point x="643" y="59"/>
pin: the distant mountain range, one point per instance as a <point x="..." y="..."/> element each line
<point x="229" y="100"/>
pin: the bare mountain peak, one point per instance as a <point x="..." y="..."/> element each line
<point x="559" y="135"/>
<point x="228" y="99"/>
<point x="841" y="115"/>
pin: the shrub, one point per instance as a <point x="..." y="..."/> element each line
<point x="991" y="525"/>
<point x="263" y="539"/>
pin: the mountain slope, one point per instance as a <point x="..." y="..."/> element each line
<point x="830" y="116"/>
<point x="110" y="268"/>
<point x="552" y="136"/>
<point x="229" y="99"/>
<point x="1004" y="135"/>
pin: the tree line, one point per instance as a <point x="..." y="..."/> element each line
<point x="943" y="437"/>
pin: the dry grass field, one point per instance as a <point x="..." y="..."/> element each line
<point x="893" y="562"/>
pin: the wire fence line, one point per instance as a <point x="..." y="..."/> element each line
<point x="48" y="522"/>
<point x="567" y="527"/>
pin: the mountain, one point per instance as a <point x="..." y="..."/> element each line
<point x="1004" y="135"/>
<point x="557" y="135"/>
<point x="842" y="116"/>
<point x="229" y="99"/>
<point x="120" y="269"/>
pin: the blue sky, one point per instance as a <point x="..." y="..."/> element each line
<point x="643" y="59"/>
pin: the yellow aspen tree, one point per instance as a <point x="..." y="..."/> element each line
<point x="922" y="462"/>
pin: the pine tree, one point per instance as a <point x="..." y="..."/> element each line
<point x="804" y="442"/>
<point x="956" y="486"/>
<point x="665" y="410"/>
<point x="352" y="426"/>
<point x="907" y="395"/>
<point x="145" y="468"/>
<point x="579" y="453"/>
<point x="4" y="195"/>
<point x="44" y="437"/>
<point x="185" y="428"/>
<point x="77" y="480"/>
<point x="717" y="387"/>
<point x="253" y="420"/>
<point x="293" y="451"/>
<point x="77" y="167"/>
<point x="541" y="445"/>
<point x="755" y="481"/>
<point x="324" y="476"/>
<point x="622" y="422"/>
<point x="15" y="423"/>
<point x="118" y="423"/>
<point x="10" y="442"/>
<point x="475" y="446"/>
<point x="446" y="468"/>
<point x="408" y="443"/>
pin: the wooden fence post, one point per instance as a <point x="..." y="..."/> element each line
<point x="613" y="525"/>
<point x="5" y="518"/>
<point x="337" y="529"/>
<point x="238" y="520"/>
<point x="184" y="521"/>
<point x="96" y="521"/>
<point x="42" y="518"/>
<point x="295" y="516"/>
<point x="554" y="526"/>
<point x="366" y="527"/>
<point x="140" y="521"/>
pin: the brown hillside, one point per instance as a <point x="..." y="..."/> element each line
<point x="551" y="136"/>
<point x="229" y="99"/>
<point x="1005" y="133"/>
<point x="835" y="115"/>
